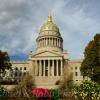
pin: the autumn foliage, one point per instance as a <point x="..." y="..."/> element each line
<point x="91" y="63"/>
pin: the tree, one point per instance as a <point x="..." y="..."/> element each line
<point x="3" y="91"/>
<point x="4" y="62"/>
<point x="90" y="66"/>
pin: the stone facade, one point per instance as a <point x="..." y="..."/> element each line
<point x="49" y="62"/>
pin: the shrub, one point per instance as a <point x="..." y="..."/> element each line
<point x="24" y="88"/>
<point x="3" y="91"/>
<point x="87" y="90"/>
<point x="55" y="94"/>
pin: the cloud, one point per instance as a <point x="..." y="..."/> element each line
<point x="14" y="24"/>
<point x="20" y="21"/>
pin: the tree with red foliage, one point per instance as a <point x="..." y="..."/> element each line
<point x="91" y="63"/>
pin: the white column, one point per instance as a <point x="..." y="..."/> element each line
<point x="57" y="67"/>
<point x="40" y="68"/>
<point x="43" y="67"/>
<point x="31" y="67"/>
<point x="52" y="67"/>
<point x="36" y="68"/>
<point x="57" y="42"/>
<point x="61" y="67"/>
<point x="49" y="41"/>
<point x="39" y="43"/>
<point x="62" y="44"/>
<point x="44" y="41"/>
<point x="52" y="41"/>
<point x="48" y="67"/>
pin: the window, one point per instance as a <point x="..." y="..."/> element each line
<point x="20" y="74"/>
<point x="76" y="68"/>
<point x="76" y="74"/>
<point x="15" y="74"/>
<point x="24" y="68"/>
<point x="24" y="73"/>
<point x="20" y="68"/>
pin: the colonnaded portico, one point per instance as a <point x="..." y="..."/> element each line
<point x="49" y="59"/>
<point x="45" y="67"/>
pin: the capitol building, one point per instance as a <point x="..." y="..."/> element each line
<point x="49" y="63"/>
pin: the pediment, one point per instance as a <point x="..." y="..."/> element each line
<point x="47" y="54"/>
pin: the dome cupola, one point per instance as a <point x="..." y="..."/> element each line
<point x="49" y="26"/>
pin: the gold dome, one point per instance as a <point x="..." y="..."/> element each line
<point x="49" y="25"/>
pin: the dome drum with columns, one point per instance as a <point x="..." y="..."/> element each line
<point x="55" y="43"/>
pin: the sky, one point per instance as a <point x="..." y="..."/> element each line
<point x="20" y="22"/>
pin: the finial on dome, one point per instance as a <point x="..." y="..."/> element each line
<point x="49" y="18"/>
